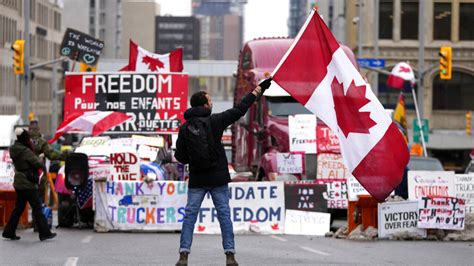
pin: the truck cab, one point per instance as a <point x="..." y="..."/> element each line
<point x="263" y="131"/>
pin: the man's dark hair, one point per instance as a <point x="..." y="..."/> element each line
<point x="199" y="99"/>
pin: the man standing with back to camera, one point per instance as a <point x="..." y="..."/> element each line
<point x="199" y="145"/>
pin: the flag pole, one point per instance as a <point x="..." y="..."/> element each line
<point x="418" y="119"/>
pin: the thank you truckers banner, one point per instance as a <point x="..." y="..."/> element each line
<point x="155" y="101"/>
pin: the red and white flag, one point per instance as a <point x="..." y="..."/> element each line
<point x="141" y="60"/>
<point x="318" y="73"/>
<point x="400" y="73"/>
<point x="93" y="122"/>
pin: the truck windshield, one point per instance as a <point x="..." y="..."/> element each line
<point x="285" y="106"/>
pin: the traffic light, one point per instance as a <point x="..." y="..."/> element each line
<point x="31" y="116"/>
<point x="19" y="57"/>
<point x="445" y="62"/>
<point x="469" y="123"/>
<point x="87" y="68"/>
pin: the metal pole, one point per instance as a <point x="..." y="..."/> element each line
<point x="419" y="120"/>
<point x="54" y="96"/>
<point x="421" y="54"/>
<point x="375" y="85"/>
<point x="25" y="105"/>
<point x="360" y="29"/>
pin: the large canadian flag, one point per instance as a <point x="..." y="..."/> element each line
<point x="319" y="74"/>
<point x="141" y="60"/>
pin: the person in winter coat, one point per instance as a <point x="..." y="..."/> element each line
<point x="41" y="146"/>
<point x="25" y="182"/>
<point x="214" y="179"/>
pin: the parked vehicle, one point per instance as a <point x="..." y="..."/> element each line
<point x="263" y="131"/>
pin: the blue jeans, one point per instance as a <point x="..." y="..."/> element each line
<point x="220" y="197"/>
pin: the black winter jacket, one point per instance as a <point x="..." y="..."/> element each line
<point x="219" y="122"/>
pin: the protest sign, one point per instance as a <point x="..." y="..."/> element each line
<point x="354" y="189"/>
<point x="305" y="196"/>
<point x="125" y="166"/>
<point x="430" y="183"/>
<point x="257" y="204"/>
<point x="7" y="171"/>
<point x="327" y="140"/>
<point x="307" y="223"/>
<point x="397" y="217"/>
<point x="464" y="189"/>
<point x="155" y="141"/>
<point x="79" y="46"/>
<point x="441" y="213"/>
<point x="330" y="167"/>
<point x="131" y="205"/>
<point x="95" y="142"/>
<point x="336" y="195"/>
<point x="302" y="133"/>
<point x="288" y="163"/>
<point x="156" y="102"/>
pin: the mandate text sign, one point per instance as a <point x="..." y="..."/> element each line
<point x="81" y="47"/>
<point x="155" y="101"/>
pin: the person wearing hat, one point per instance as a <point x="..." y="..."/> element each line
<point x="41" y="146"/>
<point x="25" y="182"/>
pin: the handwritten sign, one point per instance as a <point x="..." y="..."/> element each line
<point x="441" y="212"/>
<point x="336" y="195"/>
<point x="290" y="163"/>
<point x="125" y="166"/>
<point x="307" y="223"/>
<point x="397" y="217"/>
<point x="327" y="140"/>
<point x="302" y="133"/>
<point x="465" y="190"/>
<point x="7" y="171"/>
<point x="257" y="204"/>
<point x="130" y="205"/>
<point x="330" y="167"/>
<point x="430" y="183"/>
<point x="305" y="196"/>
<point x="354" y="189"/>
<point x="79" y="46"/>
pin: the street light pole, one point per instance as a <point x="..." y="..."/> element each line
<point x="360" y="29"/>
<point x="375" y="83"/>
<point x="25" y="104"/>
<point x="421" y="55"/>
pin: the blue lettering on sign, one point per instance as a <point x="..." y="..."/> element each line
<point x="243" y="214"/>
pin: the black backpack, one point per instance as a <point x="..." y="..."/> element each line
<point x="199" y="143"/>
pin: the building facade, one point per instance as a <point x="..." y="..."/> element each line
<point x="174" y="32"/>
<point x="444" y="102"/>
<point x="221" y="28"/>
<point x="45" y="39"/>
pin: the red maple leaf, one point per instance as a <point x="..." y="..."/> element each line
<point x="349" y="118"/>
<point x="274" y="226"/>
<point x="201" y="228"/>
<point x="404" y="69"/>
<point x="153" y="63"/>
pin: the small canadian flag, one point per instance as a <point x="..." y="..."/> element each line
<point x="141" y="60"/>
<point x="400" y="73"/>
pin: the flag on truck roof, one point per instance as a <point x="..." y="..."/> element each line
<point x="319" y="74"/>
<point x="141" y="60"/>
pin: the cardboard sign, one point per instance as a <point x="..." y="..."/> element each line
<point x="330" y="168"/>
<point x="336" y="195"/>
<point x="157" y="141"/>
<point x="156" y="102"/>
<point x="305" y="196"/>
<point x="354" y="189"/>
<point x="7" y="171"/>
<point x="327" y="140"/>
<point x="430" y="183"/>
<point x="464" y="189"/>
<point x="260" y="205"/>
<point x="307" y="223"/>
<point x="95" y="142"/>
<point x="397" y="217"/>
<point x="289" y="163"/>
<point x="129" y="205"/>
<point x="302" y="133"/>
<point x="441" y="213"/>
<point x="81" y="47"/>
<point x="125" y="166"/>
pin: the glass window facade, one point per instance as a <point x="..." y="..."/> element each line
<point x="442" y="21"/>
<point x="454" y="94"/>
<point x="386" y="19"/>
<point x="409" y="20"/>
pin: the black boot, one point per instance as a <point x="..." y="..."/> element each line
<point x="183" y="259"/>
<point x="230" y="259"/>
